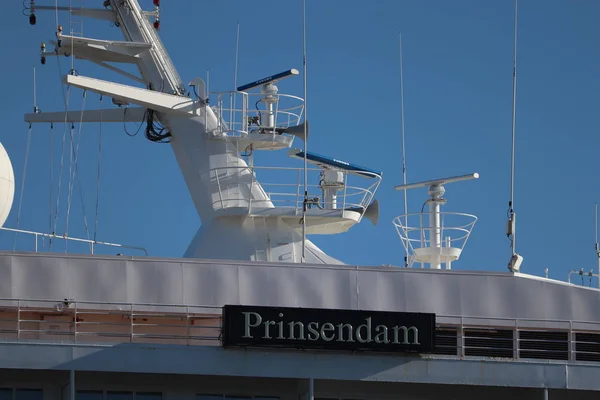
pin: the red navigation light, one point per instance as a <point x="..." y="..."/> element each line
<point x="32" y="19"/>
<point x="156" y="24"/>
<point x="156" y="2"/>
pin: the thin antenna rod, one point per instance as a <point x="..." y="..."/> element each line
<point x="237" y="50"/>
<point x="402" y="122"/>
<point x="35" y="109"/>
<point x="596" y="245"/>
<point x="207" y="82"/>
<point x="511" y="204"/>
<point x="403" y="136"/>
<point x="305" y="202"/>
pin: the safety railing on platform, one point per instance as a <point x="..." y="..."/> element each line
<point x="239" y="113"/>
<point x="419" y="235"/>
<point x="283" y="187"/>
<point x="456" y="336"/>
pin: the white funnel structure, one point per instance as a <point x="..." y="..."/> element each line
<point x="241" y="218"/>
<point x="434" y="237"/>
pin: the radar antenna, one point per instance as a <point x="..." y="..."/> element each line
<point x="437" y="241"/>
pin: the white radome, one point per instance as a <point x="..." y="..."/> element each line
<point x="7" y="185"/>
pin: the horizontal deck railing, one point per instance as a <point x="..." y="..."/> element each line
<point x="108" y="322"/>
<point x="456" y="336"/>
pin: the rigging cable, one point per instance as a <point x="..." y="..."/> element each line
<point x="60" y="174"/>
<point x="27" y="146"/>
<point x="74" y="174"/>
<point x="305" y="202"/>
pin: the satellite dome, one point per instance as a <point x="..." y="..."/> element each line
<point x="7" y="185"/>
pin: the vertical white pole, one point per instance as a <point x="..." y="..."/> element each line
<point x="235" y="75"/>
<point x="237" y="50"/>
<point x="434" y="232"/>
<point x="448" y="244"/>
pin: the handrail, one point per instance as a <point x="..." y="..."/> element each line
<point x="351" y="196"/>
<point x="92" y="243"/>
<point x="457" y="336"/>
<point x="417" y="235"/>
<point x="234" y="121"/>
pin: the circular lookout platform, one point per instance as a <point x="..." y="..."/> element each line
<point x="434" y="243"/>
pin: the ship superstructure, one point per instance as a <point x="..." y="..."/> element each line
<point x="272" y="316"/>
<point x="209" y="142"/>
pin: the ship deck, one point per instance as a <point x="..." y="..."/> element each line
<point x="85" y="317"/>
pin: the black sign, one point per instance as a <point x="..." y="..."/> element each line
<point x="311" y="328"/>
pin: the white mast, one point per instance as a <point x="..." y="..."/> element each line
<point x="240" y="220"/>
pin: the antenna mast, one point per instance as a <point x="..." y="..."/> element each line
<point x="596" y="245"/>
<point x="515" y="260"/>
<point x="305" y="202"/>
<point x="403" y="142"/>
<point x="237" y="51"/>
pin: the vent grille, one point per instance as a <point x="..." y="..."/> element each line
<point x="587" y="346"/>
<point x="544" y="345"/>
<point x="445" y="341"/>
<point x="489" y="342"/>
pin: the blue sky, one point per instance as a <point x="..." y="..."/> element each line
<point x="457" y="72"/>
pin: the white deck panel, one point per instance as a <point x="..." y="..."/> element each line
<point x="215" y="283"/>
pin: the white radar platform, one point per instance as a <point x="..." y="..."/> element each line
<point x="434" y="237"/>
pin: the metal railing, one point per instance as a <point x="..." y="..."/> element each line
<point x="415" y="231"/>
<point x="518" y="338"/>
<point x="238" y="113"/>
<point x="456" y="336"/>
<point x="283" y="187"/>
<point x="52" y="236"/>
<point x="95" y="322"/>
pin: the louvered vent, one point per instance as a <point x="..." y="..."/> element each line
<point x="445" y="341"/>
<point x="587" y="346"/>
<point x="544" y="345"/>
<point x="488" y="342"/>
